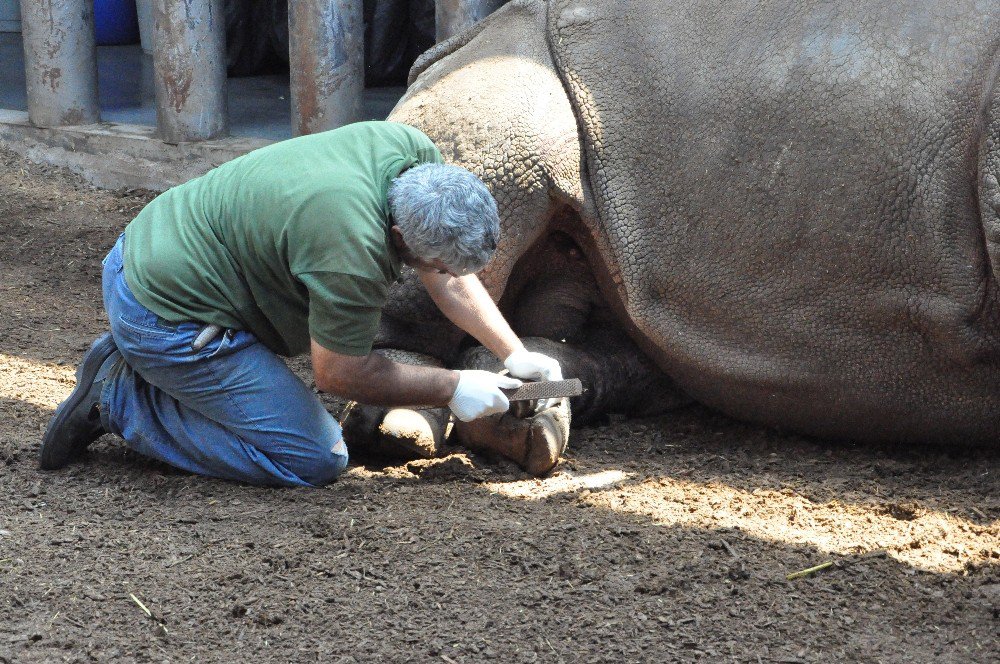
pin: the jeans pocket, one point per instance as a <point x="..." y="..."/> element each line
<point x="149" y="327"/>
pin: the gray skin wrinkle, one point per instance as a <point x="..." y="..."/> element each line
<point x="791" y="206"/>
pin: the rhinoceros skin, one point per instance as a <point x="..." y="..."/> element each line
<point x="791" y="206"/>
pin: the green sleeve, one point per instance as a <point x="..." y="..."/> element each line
<point x="426" y="151"/>
<point x="344" y="310"/>
<point x="430" y="154"/>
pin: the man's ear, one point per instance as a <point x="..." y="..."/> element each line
<point x="397" y="237"/>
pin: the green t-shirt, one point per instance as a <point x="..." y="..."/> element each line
<point x="290" y="241"/>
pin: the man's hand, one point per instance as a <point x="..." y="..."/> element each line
<point x="478" y="394"/>
<point x="525" y="364"/>
<point x="467" y="304"/>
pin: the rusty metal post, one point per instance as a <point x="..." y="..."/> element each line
<point x="189" y="69"/>
<point x="60" y="63"/>
<point x="453" y="16"/>
<point x="327" y="60"/>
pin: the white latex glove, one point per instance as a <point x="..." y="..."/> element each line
<point x="534" y="366"/>
<point x="478" y="394"/>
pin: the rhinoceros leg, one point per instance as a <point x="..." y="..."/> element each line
<point x="554" y="302"/>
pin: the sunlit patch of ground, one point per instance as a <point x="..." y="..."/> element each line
<point x="563" y="482"/>
<point x="922" y="538"/>
<point x="42" y="384"/>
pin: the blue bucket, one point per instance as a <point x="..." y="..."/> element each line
<point x="115" y="22"/>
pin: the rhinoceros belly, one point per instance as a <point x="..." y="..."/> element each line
<point x="790" y="193"/>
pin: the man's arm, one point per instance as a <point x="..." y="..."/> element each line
<point x="466" y="303"/>
<point x="375" y="379"/>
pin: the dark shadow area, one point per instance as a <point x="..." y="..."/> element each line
<point x="56" y="231"/>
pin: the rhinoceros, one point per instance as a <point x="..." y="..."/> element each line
<point x="788" y="211"/>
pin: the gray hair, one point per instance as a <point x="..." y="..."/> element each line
<point x="446" y="213"/>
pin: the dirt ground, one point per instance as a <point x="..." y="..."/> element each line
<point x="666" y="539"/>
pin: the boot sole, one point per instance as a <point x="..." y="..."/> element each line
<point x="53" y="455"/>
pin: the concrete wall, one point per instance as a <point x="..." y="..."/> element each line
<point x="118" y="156"/>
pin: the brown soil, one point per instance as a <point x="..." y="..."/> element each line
<point x="666" y="539"/>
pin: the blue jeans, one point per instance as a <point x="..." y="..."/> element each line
<point x="232" y="409"/>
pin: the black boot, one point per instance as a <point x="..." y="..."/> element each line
<point x="77" y="422"/>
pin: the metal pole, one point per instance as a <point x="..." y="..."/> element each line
<point x="327" y="59"/>
<point x="453" y="16"/>
<point x="59" y="62"/>
<point x="189" y="69"/>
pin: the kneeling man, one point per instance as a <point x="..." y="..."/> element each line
<point x="288" y="249"/>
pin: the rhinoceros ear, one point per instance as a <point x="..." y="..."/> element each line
<point x="442" y="50"/>
<point x="452" y="44"/>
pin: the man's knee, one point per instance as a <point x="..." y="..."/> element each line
<point x="328" y="465"/>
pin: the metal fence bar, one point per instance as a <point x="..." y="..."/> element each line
<point x="189" y="69"/>
<point x="327" y="58"/>
<point x="60" y="63"/>
<point x="453" y="16"/>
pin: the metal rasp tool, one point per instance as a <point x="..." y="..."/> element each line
<point x="536" y="391"/>
<point x="545" y="389"/>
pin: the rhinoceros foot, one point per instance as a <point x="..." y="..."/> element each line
<point x="532" y="440"/>
<point x="534" y="443"/>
